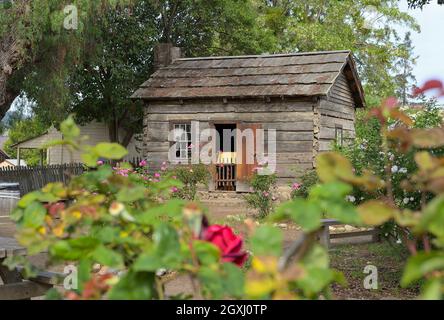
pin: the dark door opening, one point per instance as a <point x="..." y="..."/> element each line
<point x="225" y="179"/>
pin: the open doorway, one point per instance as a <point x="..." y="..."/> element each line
<point x="225" y="179"/>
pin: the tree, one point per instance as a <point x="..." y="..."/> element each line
<point x="25" y="128"/>
<point x="366" y="28"/>
<point x="405" y="79"/>
<point x="418" y="3"/>
<point x="122" y="59"/>
<point x="39" y="41"/>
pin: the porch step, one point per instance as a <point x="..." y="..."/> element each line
<point x="228" y="197"/>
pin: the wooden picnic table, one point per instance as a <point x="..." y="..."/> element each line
<point x="14" y="287"/>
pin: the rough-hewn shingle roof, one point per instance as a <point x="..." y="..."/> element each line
<point x="298" y="74"/>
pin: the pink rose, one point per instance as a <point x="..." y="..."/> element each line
<point x="295" y="186"/>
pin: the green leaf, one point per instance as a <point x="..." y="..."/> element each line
<point x="107" y="234"/>
<point x="212" y="283"/>
<point x="229" y="281"/>
<point x="166" y="252"/>
<point x="69" y="129"/>
<point x="267" y="240"/>
<point x="333" y="166"/>
<point x="332" y="190"/>
<point x="305" y="213"/>
<point x="432" y="219"/>
<point x="84" y="271"/>
<point x="206" y="252"/>
<point x="34" y="215"/>
<point x="375" y="213"/>
<point x="344" y="212"/>
<point x="421" y="264"/>
<point x="316" y="257"/>
<point x="234" y="280"/>
<point x="134" y="286"/>
<point x="27" y="199"/>
<point x="73" y="249"/>
<point x="315" y="280"/>
<point x="173" y="208"/>
<point x="148" y="261"/>
<point x="131" y="194"/>
<point x="90" y="159"/>
<point x="110" y="150"/>
<point x="432" y="290"/>
<point x="107" y="257"/>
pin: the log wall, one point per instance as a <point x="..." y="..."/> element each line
<point x="336" y="110"/>
<point x="292" y="120"/>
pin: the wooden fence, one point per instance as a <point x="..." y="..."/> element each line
<point x="34" y="178"/>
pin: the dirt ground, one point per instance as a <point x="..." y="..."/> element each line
<point x="389" y="259"/>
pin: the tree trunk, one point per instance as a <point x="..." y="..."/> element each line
<point x="9" y="56"/>
<point x="7" y="97"/>
<point x="127" y="138"/>
<point x="12" y="53"/>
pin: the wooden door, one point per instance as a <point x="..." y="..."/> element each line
<point x="244" y="170"/>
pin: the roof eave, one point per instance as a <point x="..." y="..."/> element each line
<point x="280" y="96"/>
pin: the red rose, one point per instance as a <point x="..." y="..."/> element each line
<point x="229" y="244"/>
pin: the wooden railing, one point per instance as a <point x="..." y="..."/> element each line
<point x="226" y="177"/>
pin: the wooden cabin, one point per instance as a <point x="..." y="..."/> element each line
<point x="309" y="98"/>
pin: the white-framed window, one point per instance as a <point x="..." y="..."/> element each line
<point x="339" y="136"/>
<point x="182" y="137"/>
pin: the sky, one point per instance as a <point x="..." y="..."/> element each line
<point x="429" y="43"/>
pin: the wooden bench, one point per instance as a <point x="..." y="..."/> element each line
<point x="14" y="286"/>
<point x="325" y="236"/>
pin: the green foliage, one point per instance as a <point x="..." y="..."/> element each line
<point x="40" y="51"/>
<point x="366" y="154"/>
<point x="190" y="176"/>
<point x="91" y="71"/>
<point x="110" y="54"/>
<point x="261" y="196"/>
<point x="23" y="129"/>
<point x="267" y="240"/>
<point x="308" y="180"/>
<point x="125" y="221"/>
<point x="420" y="227"/>
<point x="365" y="27"/>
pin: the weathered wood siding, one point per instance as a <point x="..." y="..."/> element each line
<point x="292" y="119"/>
<point x="94" y="132"/>
<point x="337" y="109"/>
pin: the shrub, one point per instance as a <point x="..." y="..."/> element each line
<point x="308" y="180"/>
<point x="261" y="197"/>
<point x="190" y="176"/>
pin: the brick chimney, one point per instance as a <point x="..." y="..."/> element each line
<point x="165" y="54"/>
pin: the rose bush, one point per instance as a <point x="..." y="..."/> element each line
<point x="120" y="227"/>
<point x="129" y="225"/>
<point x="261" y="196"/>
